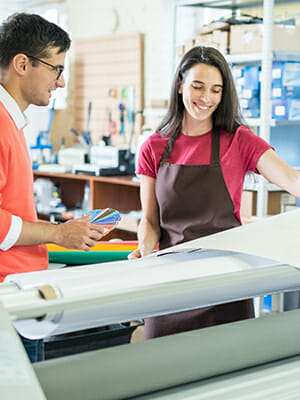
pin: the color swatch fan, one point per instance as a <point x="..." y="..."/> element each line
<point x="108" y="218"/>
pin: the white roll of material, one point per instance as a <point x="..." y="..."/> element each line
<point x="180" y="278"/>
<point x="124" y="287"/>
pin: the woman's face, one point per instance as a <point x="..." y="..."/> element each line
<point x="201" y="92"/>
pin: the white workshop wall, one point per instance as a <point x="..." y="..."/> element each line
<point x="91" y="18"/>
<point x="101" y="17"/>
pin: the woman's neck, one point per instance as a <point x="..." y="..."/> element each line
<point x="195" y="128"/>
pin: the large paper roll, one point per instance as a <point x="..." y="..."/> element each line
<point x="155" y="285"/>
<point x="176" y="279"/>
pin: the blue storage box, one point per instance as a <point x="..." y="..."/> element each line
<point x="294" y="109"/>
<point x="280" y="109"/>
<point x="277" y="86"/>
<point x="291" y="74"/>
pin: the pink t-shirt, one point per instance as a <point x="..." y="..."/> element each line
<point x="239" y="153"/>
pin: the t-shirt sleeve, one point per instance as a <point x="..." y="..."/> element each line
<point x="146" y="160"/>
<point x="252" y="147"/>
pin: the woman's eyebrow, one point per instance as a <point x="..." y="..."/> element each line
<point x="203" y="83"/>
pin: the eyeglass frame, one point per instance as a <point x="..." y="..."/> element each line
<point x="58" y="68"/>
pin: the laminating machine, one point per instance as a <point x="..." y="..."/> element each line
<point x="249" y="359"/>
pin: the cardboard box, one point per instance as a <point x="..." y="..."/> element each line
<point x="249" y="38"/>
<point x="249" y="199"/>
<point x="222" y="39"/>
<point x="217" y="39"/>
<point x="218" y="25"/>
<point x="204" y="40"/>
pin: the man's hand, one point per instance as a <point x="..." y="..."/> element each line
<point x="78" y="234"/>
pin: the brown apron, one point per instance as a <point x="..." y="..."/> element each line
<point x="193" y="202"/>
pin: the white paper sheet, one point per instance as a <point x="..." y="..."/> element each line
<point x="276" y="237"/>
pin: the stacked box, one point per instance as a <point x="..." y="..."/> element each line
<point x="291" y="74"/>
<point x="294" y="109"/>
<point x="286" y="90"/>
<point x="248" y="38"/>
<point x="278" y="100"/>
<point x="216" y="34"/>
<point x="277" y="86"/>
<point x="280" y="109"/>
<point x="247" y="80"/>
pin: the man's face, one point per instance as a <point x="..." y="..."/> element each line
<point x="41" y="79"/>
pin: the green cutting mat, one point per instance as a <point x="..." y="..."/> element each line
<point x="86" y="257"/>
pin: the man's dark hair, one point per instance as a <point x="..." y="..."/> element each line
<point x="32" y="35"/>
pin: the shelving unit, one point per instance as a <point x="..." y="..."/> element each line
<point x="265" y="122"/>
<point x="229" y="4"/>
<point x="118" y="192"/>
<point x="255" y="58"/>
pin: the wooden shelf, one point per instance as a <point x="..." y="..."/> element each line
<point x="118" y="192"/>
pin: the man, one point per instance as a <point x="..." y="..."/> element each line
<point x="32" y="57"/>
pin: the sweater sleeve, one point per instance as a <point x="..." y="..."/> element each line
<point x="11" y="225"/>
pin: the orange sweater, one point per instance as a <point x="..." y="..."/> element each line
<point x="16" y="198"/>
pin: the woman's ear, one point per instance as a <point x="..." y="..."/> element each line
<point x="179" y="90"/>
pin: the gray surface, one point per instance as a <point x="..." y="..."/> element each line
<point x="17" y="379"/>
<point x="142" y="368"/>
<point x="277" y="381"/>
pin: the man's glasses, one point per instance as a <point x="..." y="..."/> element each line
<point x="58" y="68"/>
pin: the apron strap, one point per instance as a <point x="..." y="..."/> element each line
<point x="215" y="146"/>
<point x="169" y="147"/>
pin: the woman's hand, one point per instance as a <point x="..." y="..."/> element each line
<point x="148" y="230"/>
<point x="140" y="252"/>
<point x="135" y="254"/>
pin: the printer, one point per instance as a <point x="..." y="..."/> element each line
<point x="107" y="161"/>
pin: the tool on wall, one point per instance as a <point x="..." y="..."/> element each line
<point x="112" y="125"/>
<point x="113" y="92"/>
<point x="84" y="137"/>
<point x="122" y="118"/>
<point x="112" y="130"/>
<point x="80" y="137"/>
<point x="86" y="133"/>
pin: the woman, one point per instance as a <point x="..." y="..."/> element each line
<point x="192" y="172"/>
